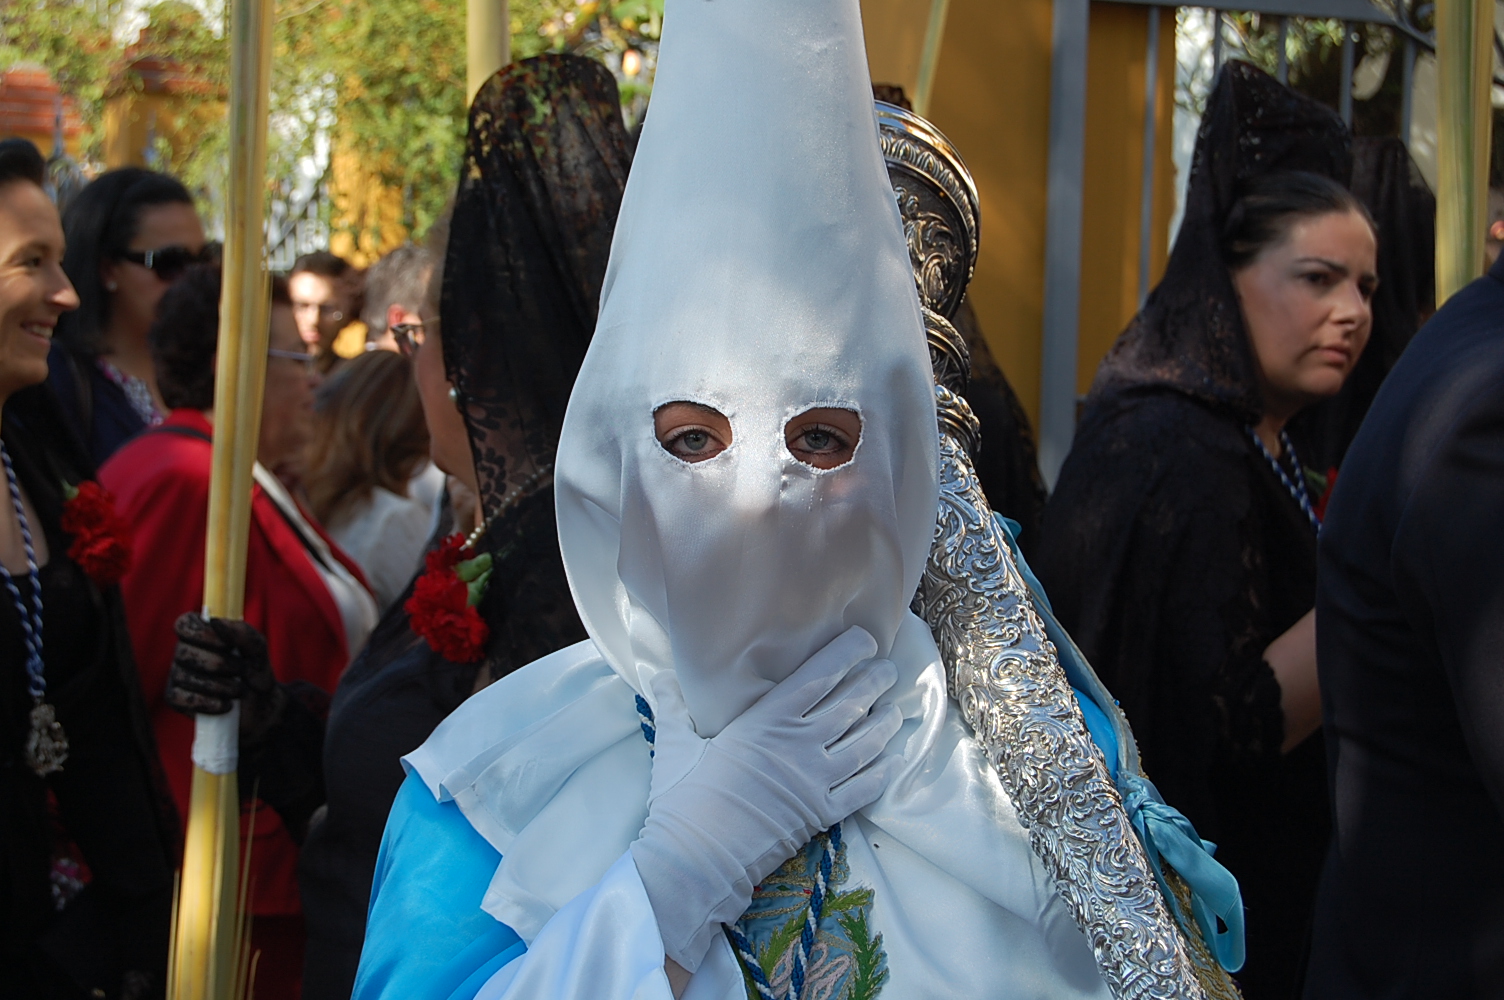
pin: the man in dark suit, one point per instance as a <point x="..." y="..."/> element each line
<point x="1410" y="640"/>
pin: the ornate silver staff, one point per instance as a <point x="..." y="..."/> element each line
<point x="1001" y="666"/>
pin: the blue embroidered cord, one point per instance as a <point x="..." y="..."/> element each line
<point x="830" y="846"/>
<point x="748" y="956"/>
<point x="815" y="912"/>
<point x="1296" y="487"/>
<point x="649" y="731"/>
<point x="31" y="618"/>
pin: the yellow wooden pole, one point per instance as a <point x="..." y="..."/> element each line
<point x="206" y="953"/>
<point x="929" y="56"/>
<point x="1464" y="65"/>
<point x="488" y="42"/>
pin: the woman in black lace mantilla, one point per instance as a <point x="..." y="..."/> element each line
<point x="1179" y="547"/>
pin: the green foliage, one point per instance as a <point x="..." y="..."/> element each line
<point x="1313" y="50"/>
<point x="867" y="951"/>
<point x="384" y="78"/>
<point x="71" y="38"/>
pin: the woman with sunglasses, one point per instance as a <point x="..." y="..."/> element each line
<point x="131" y="233"/>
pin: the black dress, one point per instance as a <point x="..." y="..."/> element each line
<point x="1174" y="554"/>
<point x="86" y="854"/>
<point x="390" y="700"/>
<point x="97" y="410"/>
<point x="1007" y="464"/>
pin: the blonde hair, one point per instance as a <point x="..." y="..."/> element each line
<point x="368" y="432"/>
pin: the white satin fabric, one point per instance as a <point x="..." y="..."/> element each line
<point x="759" y="267"/>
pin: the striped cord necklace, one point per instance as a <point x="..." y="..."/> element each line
<point x="1296" y="486"/>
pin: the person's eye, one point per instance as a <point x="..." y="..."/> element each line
<point x="693" y="444"/>
<point x="691" y="432"/>
<point x="818" y="440"/>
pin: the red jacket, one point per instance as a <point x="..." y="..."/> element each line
<point x="161" y="485"/>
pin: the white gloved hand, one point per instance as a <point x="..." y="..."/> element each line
<point x="724" y="813"/>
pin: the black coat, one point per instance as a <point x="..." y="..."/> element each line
<point x="1173" y="555"/>
<point x="108" y="807"/>
<point x="1410" y="614"/>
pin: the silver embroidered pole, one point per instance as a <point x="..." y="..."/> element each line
<point x="1001" y="668"/>
<point x="1005" y="675"/>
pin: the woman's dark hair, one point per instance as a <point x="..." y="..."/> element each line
<point x="1268" y="205"/>
<point x="368" y="432"/>
<point x="185" y="336"/>
<point x="99" y="225"/>
<point x="20" y="161"/>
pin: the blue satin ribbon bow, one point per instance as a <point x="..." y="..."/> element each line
<point x="1165" y="833"/>
<point x="1169" y="836"/>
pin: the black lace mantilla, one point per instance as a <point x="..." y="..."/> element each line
<point x="539" y="192"/>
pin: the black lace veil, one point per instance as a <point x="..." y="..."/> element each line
<point x="1189" y="335"/>
<point x="545" y="164"/>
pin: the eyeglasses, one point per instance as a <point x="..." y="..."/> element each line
<point x="409" y="337"/>
<point x="325" y="310"/>
<point x="306" y="359"/>
<point x="167" y="263"/>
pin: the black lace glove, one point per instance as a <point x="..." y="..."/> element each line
<point x="218" y="662"/>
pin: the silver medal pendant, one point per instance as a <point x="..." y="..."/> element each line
<point x="47" y="746"/>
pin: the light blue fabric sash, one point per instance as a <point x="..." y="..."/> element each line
<point x="1167" y="836"/>
<point x="426" y="936"/>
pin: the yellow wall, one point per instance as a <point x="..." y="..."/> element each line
<point x="895" y="37"/>
<point x="42" y="139"/>
<point x="1114" y="174"/>
<point x="992" y="99"/>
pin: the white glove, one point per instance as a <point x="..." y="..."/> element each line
<point x="724" y="813"/>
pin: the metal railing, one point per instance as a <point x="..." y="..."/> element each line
<point x="297" y="227"/>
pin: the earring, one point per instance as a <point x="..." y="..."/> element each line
<point x="110" y="286"/>
<point x="454" y="397"/>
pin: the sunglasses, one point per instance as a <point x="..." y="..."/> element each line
<point x="167" y="263"/>
<point x="409" y="337"/>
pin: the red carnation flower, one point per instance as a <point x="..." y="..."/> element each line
<point x="104" y="557"/>
<point x="101" y="543"/>
<point x="439" y="611"/>
<point x="446" y="555"/>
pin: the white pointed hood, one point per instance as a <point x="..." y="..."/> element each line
<point x="759" y="267"/>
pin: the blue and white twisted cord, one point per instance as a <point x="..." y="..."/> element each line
<point x="1297" y="486"/>
<point x="649" y="730"/>
<point x="31" y="618"/>
<point x="830" y="845"/>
